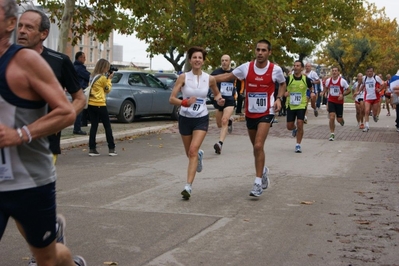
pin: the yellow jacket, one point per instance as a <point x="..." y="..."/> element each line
<point x="98" y="91"/>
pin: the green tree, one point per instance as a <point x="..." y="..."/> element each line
<point x="232" y="27"/>
<point x="373" y="41"/>
<point x="98" y="18"/>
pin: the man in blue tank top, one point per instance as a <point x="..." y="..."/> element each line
<point x="27" y="176"/>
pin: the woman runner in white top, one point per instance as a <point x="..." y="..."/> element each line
<point x="194" y="118"/>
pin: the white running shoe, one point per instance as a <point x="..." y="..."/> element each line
<point x="79" y="261"/>
<point x="200" y="163"/>
<point x="298" y="148"/>
<point x="265" y="178"/>
<point x="256" y="190"/>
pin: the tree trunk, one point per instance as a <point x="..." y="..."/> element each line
<point x="65" y="25"/>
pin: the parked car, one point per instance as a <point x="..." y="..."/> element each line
<point x="168" y="78"/>
<point x="136" y="94"/>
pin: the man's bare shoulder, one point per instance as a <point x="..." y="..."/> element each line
<point x="28" y="56"/>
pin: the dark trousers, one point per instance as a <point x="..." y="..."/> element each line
<point x="318" y="101"/>
<point x="397" y="116"/>
<point x="85" y="117"/>
<point x="96" y="113"/>
<point x="240" y="99"/>
<point x="77" y="126"/>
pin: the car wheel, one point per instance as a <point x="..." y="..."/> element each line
<point x="175" y="113"/>
<point x="126" y="113"/>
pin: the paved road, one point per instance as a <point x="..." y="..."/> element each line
<point x="334" y="204"/>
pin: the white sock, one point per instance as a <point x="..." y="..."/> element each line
<point x="367" y="124"/>
<point x="258" y="180"/>
<point x="298" y="144"/>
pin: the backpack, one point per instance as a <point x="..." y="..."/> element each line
<point x="88" y="90"/>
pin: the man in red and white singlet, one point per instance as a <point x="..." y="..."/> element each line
<point x="372" y="84"/>
<point x="260" y="77"/>
<point x="337" y="88"/>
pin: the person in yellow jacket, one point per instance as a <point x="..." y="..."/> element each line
<point x="297" y="86"/>
<point x="97" y="107"/>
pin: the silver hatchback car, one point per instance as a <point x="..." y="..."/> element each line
<point x="135" y="94"/>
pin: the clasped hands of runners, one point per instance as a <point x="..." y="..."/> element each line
<point x="193" y="99"/>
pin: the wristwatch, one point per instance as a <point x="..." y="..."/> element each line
<point x="281" y="99"/>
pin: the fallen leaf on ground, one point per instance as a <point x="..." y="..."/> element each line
<point x="307" y="202"/>
<point x="110" y="263"/>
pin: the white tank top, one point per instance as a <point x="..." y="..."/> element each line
<point x="196" y="86"/>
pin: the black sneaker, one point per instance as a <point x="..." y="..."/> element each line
<point x="230" y="126"/>
<point x="93" y="152"/>
<point x="112" y="152"/>
<point x="80" y="132"/>
<point x="218" y="148"/>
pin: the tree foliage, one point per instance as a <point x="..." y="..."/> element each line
<point x="373" y="41"/>
<point x="97" y="17"/>
<point x="231" y="27"/>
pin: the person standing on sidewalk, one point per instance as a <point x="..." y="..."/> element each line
<point x="297" y="87"/>
<point x="359" y="100"/>
<point x="260" y="105"/>
<point x="33" y="29"/>
<point x="84" y="78"/>
<point x="371" y="84"/>
<point x="97" y="106"/>
<point x="193" y="116"/>
<point x="28" y="177"/>
<point x="223" y="113"/>
<point x="337" y="88"/>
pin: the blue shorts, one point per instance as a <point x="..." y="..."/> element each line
<point x="34" y="209"/>
<point x="188" y="124"/>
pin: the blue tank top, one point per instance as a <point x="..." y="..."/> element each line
<point x="27" y="165"/>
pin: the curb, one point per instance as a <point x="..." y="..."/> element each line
<point x="84" y="140"/>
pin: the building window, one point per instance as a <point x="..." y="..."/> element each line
<point x="107" y="55"/>
<point x="91" y="55"/>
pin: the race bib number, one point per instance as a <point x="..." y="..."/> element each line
<point x="226" y="88"/>
<point x="198" y="106"/>
<point x="370" y="85"/>
<point x="257" y="102"/>
<point x="295" y="98"/>
<point x="334" y="91"/>
<point x="5" y="166"/>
